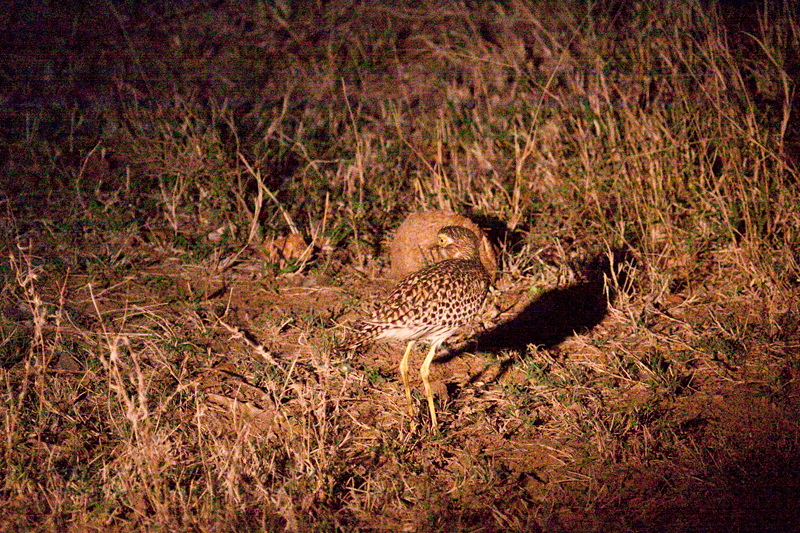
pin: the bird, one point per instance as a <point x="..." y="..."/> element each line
<point x="430" y="305"/>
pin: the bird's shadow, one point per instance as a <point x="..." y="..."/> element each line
<point x="555" y="315"/>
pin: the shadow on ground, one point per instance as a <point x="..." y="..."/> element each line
<point x="555" y="315"/>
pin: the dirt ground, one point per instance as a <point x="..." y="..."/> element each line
<point x="569" y="436"/>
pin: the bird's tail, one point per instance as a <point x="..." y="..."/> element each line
<point x="362" y="333"/>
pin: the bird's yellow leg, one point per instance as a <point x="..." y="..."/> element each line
<point x="404" y="374"/>
<point x="425" y="371"/>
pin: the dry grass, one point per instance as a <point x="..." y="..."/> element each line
<point x="165" y="365"/>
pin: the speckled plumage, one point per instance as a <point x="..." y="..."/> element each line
<point x="430" y="304"/>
